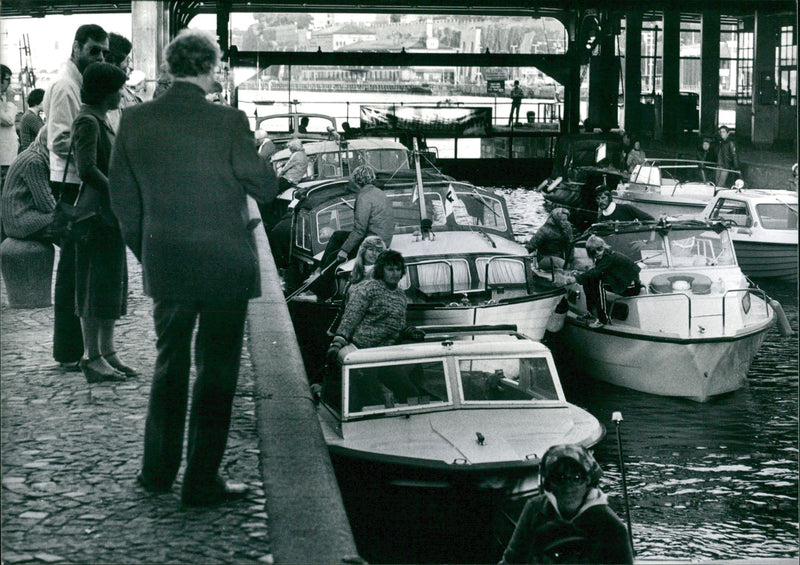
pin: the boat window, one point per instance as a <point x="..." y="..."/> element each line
<point x="388" y="160"/>
<point x="502" y="270"/>
<point x="399" y="385"/>
<point x="692" y="248"/>
<point x="337" y="216"/>
<point x="649" y="175"/>
<point x="733" y="211"/>
<point x="777" y="216"/>
<point x="472" y="208"/>
<point x="506" y="379"/>
<point x="328" y="165"/>
<point x="302" y="231"/>
<point x="646" y="248"/>
<point x="405" y="209"/>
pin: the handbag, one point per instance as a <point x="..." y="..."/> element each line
<point x="73" y="222"/>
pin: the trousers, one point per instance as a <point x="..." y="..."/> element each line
<point x="218" y="347"/>
<point x="67" y="336"/>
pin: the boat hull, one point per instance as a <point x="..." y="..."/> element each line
<point x="767" y="260"/>
<point x="697" y="369"/>
<point x="658" y="205"/>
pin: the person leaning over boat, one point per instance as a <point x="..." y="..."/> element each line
<point x="610" y="211"/>
<point x="570" y="521"/>
<point x="553" y="241"/>
<point x="375" y="314"/>
<point x="612" y="271"/>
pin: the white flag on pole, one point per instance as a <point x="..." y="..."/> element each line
<point x="450" y="200"/>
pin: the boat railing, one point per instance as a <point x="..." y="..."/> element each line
<point x="747" y="292"/>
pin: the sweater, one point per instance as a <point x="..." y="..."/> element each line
<point x="374" y="315"/>
<point x="27" y="203"/>
<point x="614" y="270"/>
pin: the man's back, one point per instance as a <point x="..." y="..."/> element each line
<point x="180" y="172"/>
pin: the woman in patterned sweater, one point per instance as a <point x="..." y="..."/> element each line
<point x="375" y="314"/>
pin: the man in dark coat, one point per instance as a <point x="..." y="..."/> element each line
<point x="180" y="173"/>
<point x="612" y="271"/>
<point x="610" y="211"/>
<point x="727" y="157"/>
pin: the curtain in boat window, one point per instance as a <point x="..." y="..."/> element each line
<point x="501" y="270"/>
<point x="435" y="277"/>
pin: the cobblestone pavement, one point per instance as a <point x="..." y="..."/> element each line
<point x="71" y="450"/>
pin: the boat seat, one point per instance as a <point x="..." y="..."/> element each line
<point x="665" y="283"/>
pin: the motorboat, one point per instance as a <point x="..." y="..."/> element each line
<point x="474" y="405"/>
<point x="763" y="227"/>
<point x="582" y="163"/>
<point x="693" y="329"/>
<point x="305" y="126"/>
<point x="463" y="264"/>
<point x="670" y="187"/>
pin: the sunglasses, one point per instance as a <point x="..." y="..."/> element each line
<point x="574" y="478"/>
<point x="94" y="51"/>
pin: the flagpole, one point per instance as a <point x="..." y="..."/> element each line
<point x="423" y="213"/>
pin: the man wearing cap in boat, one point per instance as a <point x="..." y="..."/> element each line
<point x="612" y="271"/>
<point x="610" y="211"/>
<point x="570" y="520"/>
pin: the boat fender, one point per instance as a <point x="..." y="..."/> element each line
<point x="556" y="321"/>
<point x="784" y="327"/>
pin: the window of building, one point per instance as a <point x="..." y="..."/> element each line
<point x="744" y="80"/>
<point x="786" y="66"/>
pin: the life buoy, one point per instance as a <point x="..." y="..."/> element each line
<point x="666" y="283"/>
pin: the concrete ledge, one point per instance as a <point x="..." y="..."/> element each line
<point x="306" y="516"/>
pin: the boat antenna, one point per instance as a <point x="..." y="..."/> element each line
<point x="616" y="417"/>
<point x="424" y="222"/>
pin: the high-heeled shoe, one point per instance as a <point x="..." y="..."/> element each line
<point x="113" y="360"/>
<point x="94" y="376"/>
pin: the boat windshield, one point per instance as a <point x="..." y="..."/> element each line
<point x="395" y="386"/>
<point x="679" y="248"/>
<point x="777" y="216"/>
<point x="506" y="379"/>
<point x="463" y="208"/>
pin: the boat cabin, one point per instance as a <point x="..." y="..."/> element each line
<point x="280" y="128"/>
<point x="672" y="177"/>
<point x="452" y="369"/>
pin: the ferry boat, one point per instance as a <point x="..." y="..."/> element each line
<point x="670" y="187"/>
<point x="693" y="329"/>
<point x="763" y="227"/>
<point x="472" y="405"/>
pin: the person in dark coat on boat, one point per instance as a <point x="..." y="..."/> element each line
<point x="570" y="521"/>
<point x="612" y="271"/>
<point x="707" y="153"/>
<point x="610" y="211"/>
<point x="727" y="158"/>
<point x="553" y="241"/>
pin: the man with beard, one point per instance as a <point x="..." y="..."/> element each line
<point x="62" y="102"/>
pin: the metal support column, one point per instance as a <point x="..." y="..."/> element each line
<point x="149" y="35"/>
<point x="633" y="70"/>
<point x="709" y="71"/>
<point x="670" y="109"/>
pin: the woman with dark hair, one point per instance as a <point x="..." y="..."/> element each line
<point x="375" y="313"/>
<point x="101" y="274"/>
<point x="570" y="520"/>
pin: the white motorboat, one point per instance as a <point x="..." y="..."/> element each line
<point x="695" y="326"/>
<point x="763" y="227"/>
<point x="473" y="406"/>
<point x="670" y="187"/>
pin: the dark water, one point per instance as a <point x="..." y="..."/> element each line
<point x="705" y="481"/>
